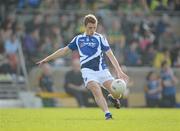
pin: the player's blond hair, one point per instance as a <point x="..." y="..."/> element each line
<point x="90" y="18"/>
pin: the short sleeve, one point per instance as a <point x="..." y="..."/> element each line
<point x="72" y="45"/>
<point x="104" y="44"/>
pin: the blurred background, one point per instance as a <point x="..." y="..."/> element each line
<point x="143" y="34"/>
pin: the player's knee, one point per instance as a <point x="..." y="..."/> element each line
<point x="92" y="86"/>
<point x="97" y="93"/>
<point x="95" y="89"/>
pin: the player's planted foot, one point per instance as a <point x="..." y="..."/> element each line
<point x="114" y="101"/>
<point x="108" y="116"/>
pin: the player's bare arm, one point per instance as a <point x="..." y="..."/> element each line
<point x="119" y="72"/>
<point x="59" y="53"/>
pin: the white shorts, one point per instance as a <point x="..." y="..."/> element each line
<point x="98" y="76"/>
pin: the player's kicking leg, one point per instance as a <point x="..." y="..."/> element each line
<point x="115" y="102"/>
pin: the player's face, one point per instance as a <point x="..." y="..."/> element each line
<point x="90" y="28"/>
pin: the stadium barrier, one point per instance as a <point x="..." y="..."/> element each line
<point x="135" y="98"/>
<point x="53" y="95"/>
<point x="65" y="100"/>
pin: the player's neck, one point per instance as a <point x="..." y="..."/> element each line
<point x="89" y="34"/>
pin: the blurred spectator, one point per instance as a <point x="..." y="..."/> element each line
<point x="10" y="21"/>
<point x="115" y="34"/>
<point x="35" y="23"/>
<point x="34" y="3"/>
<point x="130" y="6"/>
<point x="177" y="5"/>
<point x="167" y="39"/>
<point x="5" y="65"/>
<point x="45" y="27"/>
<point x="65" y="23"/>
<point x="11" y="45"/>
<point x="101" y="29"/>
<point x="162" y="24"/>
<point x="28" y="3"/>
<point x="79" y="27"/>
<point x="132" y="56"/>
<point x="120" y="52"/>
<point x="46" y="47"/>
<point x="177" y="60"/>
<point x="46" y="84"/>
<point x="7" y="4"/>
<point x="175" y="54"/>
<point x="70" y="4"/>
<point x="8" y="27"/>
<point x="136" y="33"/>
<point x="106" y="4"/>
<point x="20" y="31"/>
<point x="87" y="4"/>
<point x="157" y="4"/>
<point x="46" y="80"/>
<point x="153" y="90"/>
<point x="74" y="84"/>
<point x="161" y="56"/>
<point x="146" y="40"/>
<point x="56" y="37"/>
<point x="161" y="5"/>
<point x="31" y="47"/>
<point x="117" y="40"/>
<point x="127" y="26"/>
<point x="49" y="5"/>
<point x="148" y="56"/>
<point x="169" y="82"/>
<point x="11" y="48"/>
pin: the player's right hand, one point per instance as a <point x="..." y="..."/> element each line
<point x="122" y="75"/>
<point x="41" y="62"/>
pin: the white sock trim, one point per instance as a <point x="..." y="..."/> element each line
<point x="107" y="112"/>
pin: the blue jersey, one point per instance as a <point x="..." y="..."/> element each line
<point x="91" y="50"/>
<point x="151" y="85"/>
<point x="167" y="90"/>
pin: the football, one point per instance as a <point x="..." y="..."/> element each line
<point x="119" y="87"/>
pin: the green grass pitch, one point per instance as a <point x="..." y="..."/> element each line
<point x="89" y="119"/>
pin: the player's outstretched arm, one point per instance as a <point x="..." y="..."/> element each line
<point x="119" y="72"/>
<point x="59" y="53"/>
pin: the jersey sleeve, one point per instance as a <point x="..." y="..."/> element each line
<point x="72" y="45"/>
<point x="104" y="44"/>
